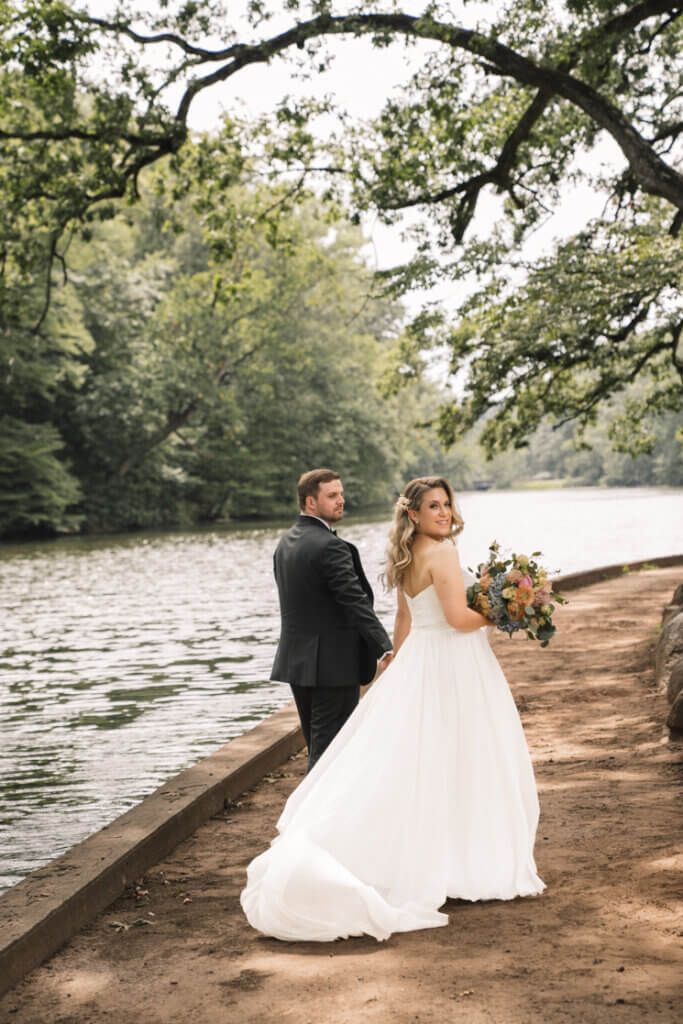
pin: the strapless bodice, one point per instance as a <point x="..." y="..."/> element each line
<point x="426" y="611"/>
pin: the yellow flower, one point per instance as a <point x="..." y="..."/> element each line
<point x="523" y="560"/>
<point x="508" y="593"/>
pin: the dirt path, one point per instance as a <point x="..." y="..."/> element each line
<point x="604" y="943"/>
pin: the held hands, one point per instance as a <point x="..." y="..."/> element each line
<point x="384" y="662"/>
<point x="381" y="665"/>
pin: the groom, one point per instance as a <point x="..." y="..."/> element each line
<point x="331" y="639"/>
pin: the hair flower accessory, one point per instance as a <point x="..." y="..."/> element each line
<point x="403" y="503"/>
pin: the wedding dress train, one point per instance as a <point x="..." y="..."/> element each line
<point x="426" y="793"/>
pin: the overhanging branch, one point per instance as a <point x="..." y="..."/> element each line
<point x="498" y="175"/>
<point x="654" y="175"/>
<point x="123" y="28"/>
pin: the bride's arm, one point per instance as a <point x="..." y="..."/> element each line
<point x="450" y="589"/>
<point x="402" y="620"/>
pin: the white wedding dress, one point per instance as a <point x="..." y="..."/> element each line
<point x="426" y="793"/>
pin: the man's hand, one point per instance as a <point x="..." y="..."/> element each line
<point x="385" y="661"/>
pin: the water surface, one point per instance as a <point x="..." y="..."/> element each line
<point x="125" y="659"/>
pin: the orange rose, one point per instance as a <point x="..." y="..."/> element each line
<point x="525" y="595"/>
<point x="515" y="611"/>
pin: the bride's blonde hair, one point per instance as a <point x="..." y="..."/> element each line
<point x="403" y="530"/>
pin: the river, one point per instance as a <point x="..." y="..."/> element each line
<point x="125" y="659"/>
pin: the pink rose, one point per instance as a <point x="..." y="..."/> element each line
<point x="514" y="576"/>
<point x="526" y="581"/>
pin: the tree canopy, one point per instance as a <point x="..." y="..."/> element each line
<point x="509" y="102"/>
<point x="170" y="384"/>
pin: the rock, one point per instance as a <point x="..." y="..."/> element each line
<point x="675" y="684"/>
<point x="669" y="648"/>
<point x="678" y="595"/>
<point x="675" y="719"/>
<point x="669" y="611"/>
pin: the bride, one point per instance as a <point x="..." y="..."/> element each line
<point x="427" y="793"/>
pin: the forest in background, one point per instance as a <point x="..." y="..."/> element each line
<point x="187" y="322"/>
<point x="179" y="380"/>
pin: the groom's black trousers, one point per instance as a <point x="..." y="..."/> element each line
<point x="322" y="711"/>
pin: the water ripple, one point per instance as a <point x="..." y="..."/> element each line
<point x="124" y="660"/>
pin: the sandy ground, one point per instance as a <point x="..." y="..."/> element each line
<point x="604" y="943"/>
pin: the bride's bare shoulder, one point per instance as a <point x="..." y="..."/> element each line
<point x="437" y="555"/>
<point x="443" y="561"/>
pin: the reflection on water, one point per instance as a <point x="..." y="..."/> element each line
<point x="121" y="662"/>
<point x="124" y="660"/>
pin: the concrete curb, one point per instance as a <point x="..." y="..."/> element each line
<point x="574" y="580"/>
<point x="48" y="907"/>
<point x="44" y="911"/>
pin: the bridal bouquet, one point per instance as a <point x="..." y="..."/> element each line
<point x="515" y="594"/>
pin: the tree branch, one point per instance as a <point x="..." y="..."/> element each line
<point x="608" y="383"/>
<point x="630" y="19"/>
<point x="123" y="28"/>
<point x="178" y="418"/>
<point x="63" y="135"/>
<point x="498" y="175"/>
<point x="676" y="337"/>
<point x="668" y="131"/>
<point x="654" y="175"/>
<point x="645" y="50"/>
<point x="52" y="256"/>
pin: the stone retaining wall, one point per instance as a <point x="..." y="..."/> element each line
<point x="41" y="913"/>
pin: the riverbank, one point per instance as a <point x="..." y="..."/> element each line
<point x="602" y="941"/>
<point x="125" y="660"/>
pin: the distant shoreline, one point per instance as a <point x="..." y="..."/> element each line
<point x="281" y="520"/>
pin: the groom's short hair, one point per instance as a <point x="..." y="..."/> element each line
<point x="309" y="483"/>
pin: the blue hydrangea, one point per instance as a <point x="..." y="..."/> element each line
<point x="498" y="611"/>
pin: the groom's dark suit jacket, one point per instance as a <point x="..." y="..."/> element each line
<point x="330" y="635"/>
